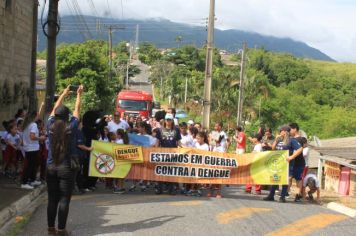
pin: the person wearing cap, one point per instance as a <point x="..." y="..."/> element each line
<point x="285" y="142"/>
<point x="170" y="134"/>
<point x="190" y="124"/>
<point x="312" y="182"/>
<point x="117" y="123"/>
<point x="61" y="129"/>
<point x="299" y="163"/>
<point x="169" y="137"/>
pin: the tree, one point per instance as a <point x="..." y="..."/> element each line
<point x="160" y="71"/>
<point x="87" y="64"/>
<point x="148" y="53"/>
<point x="179" y="40"/>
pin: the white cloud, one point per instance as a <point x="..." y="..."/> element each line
<point x="324" y="24"/>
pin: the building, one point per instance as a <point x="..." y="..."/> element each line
<point x="16" y="35"/>
<point x="337" y="165"/>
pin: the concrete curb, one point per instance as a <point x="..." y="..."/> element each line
<point x="342" y="209"/>
<point x="15" y="208"/>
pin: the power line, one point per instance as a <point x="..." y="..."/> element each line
<point x="78" y="19"/>
<point x="122" y="10"/>
<point x="133" y="30"/>
<point x="93" y="8"/>
<point x="92" y="21"/>
<point x="107" y="1"/>
<point x="80" y="15"/>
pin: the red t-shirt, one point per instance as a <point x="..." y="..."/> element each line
<point x="241" y="145"/>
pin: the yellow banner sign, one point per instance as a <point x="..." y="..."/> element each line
<point x="187" y="165"/>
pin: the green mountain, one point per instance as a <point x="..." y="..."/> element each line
<point x="163" y="33"/>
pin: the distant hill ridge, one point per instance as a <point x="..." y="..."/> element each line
<point x="163" y="34"/>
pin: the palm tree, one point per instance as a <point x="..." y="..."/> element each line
<point x="179" y="39"/>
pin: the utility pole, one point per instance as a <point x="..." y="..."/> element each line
<point x="128" y="64"/>
<point x="98" y="28"/>
<point x="51" y="54"/>
<point x="136" y="39"/>
<point x="110" y="53"/>
<point x="160" y="89"/>
<point x="208" y="67"/>
<point x="33" y="98"/>
<point x="241" y="88"/>
<point x="111" y="28"/>
<point x="186" y="90"/>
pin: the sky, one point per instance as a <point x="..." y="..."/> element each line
<point x="328" y="25"/>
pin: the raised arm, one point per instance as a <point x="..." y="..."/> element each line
<point x="76" y="112"/>
<point x="39" y="113"/>
<point x="60" y="100"/>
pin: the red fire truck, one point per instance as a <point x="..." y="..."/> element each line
<point x="134" y="103"/>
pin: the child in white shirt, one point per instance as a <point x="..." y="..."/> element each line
<point x="256" y="140"/>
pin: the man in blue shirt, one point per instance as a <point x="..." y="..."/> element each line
<point x="285" y="142"/>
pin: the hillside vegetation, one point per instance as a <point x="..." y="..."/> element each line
<point x="279" y="88"/>
<point x="167" y="34"/>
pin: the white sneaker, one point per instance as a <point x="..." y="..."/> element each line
<point x="27" y="186"/>
<point x="36" y="183"/>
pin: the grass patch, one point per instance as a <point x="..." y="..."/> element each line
<point x="21" y="221"/>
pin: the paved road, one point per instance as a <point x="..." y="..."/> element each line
<point x="140" y="81"/>
<point x="103" y="213"/>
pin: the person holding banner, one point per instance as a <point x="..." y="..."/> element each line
<point x="240" y="139"/>
<point x="104" y="137"/>
<point x="256" y="140"/>
<point x="217" y="187"/>
<point x="285" y="142"/>
<point x="170" y="138"/>
<point x="61" y="169"/>
<point x="202" y="141"/>
<point x="121" y="138"/>
<point x="201" y="144"/>
<point x="144" y="129"/>
<point x="81" y="150"/>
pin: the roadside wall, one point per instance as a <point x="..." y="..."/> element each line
<point x="15" y="54"/>
<point x="332" y="176"/>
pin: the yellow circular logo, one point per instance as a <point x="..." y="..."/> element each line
<point x="274" y="163"/>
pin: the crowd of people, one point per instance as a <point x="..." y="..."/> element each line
<point x="58" y="153"/>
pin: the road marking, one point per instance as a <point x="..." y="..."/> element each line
<point x="132" y="199"/>
<point x="226" y="217"/>
<point x="308" y="225"/>
<point x="186" y="203"/>
<point x="76" y="198"/>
